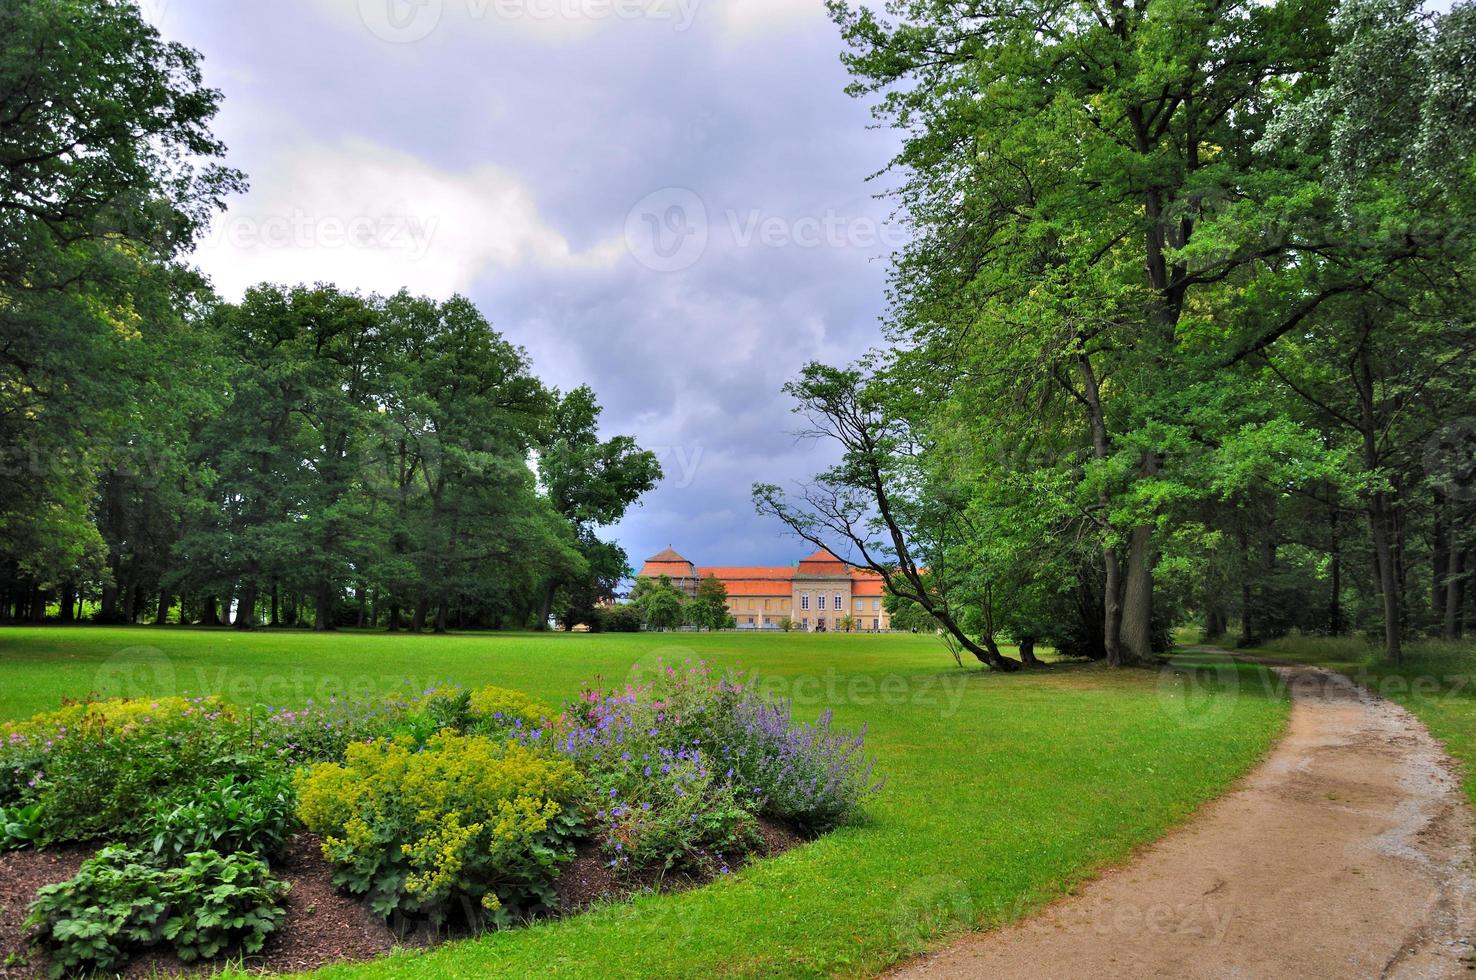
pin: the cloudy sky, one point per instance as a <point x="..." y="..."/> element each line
<point x="665" y="199"/>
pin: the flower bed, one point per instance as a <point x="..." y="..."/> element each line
<point x="443" y="811"/>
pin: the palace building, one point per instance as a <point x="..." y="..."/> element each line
<point x="814" y="595"/>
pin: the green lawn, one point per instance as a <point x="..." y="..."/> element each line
<point x="1436" y="682"/>
<point x="1003" y="791"/>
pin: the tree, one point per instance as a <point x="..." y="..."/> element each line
<point x="1381" y="369"/>
<point x="1055" y="168"/>
<point x="107" y="172"/>
<point x="876" y="503"/>
<point x="660" y="603"/>
<point x="463" y="413"/>
<point x="709" y="610"/>
<point x="591" y="482"/>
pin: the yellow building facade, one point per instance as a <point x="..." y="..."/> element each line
<point x="821" y="593"/>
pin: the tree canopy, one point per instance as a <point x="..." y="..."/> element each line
<point x="306" y="456"/>
<point x="1187" y="298"/>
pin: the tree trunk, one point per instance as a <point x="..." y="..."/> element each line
<point x="323" y="613"/>
<point x="67" y="602"/>
<point x="1454" y="587"/>
<point x="1440" y="557"/>
<point x="440" y="617"/>
<point x="246" y="607"/>
<point x="1335" y="605"/>
<point x="276" y="607"/>
<point x="1380" y="520"/>
<point x="1027" y="651"/>
<point x="1384" y="564"/>
<point x="417" y="622"/>
<point x="1215" y="622"/>
<point x="545" y="605"/>
<point x="1137" y="599"/>
<point x="161" y="614"/>
<point x="1249" y="631"/>
<point x="108" y="609"/>
<point x="208" y="614"/>
<point x="38" y="605"/>
<point x="1112" y="584"/>
<point x="394" y="617"/>
<point x="359" y="596"/>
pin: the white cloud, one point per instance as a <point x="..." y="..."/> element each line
<point x="371" y="218"/>
<point x="413" y="22"/>
<point x="744" y="19"/>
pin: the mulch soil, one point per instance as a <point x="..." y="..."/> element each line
<point x="323" y="925"/>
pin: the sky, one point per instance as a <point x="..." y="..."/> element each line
<point x="667" y="200"/>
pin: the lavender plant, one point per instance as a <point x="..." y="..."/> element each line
<point x="810" y="775"/>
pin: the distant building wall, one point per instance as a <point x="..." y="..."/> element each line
<point x="816" y="595"/>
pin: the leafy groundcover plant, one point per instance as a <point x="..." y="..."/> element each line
<point x="120" y="902"/>
<point x="441" y="809"/>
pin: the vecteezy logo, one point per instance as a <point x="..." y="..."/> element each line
<point x="1450" y="459"/>
<point x="666" y="231"/>
<point x="1198" y="690"/>
<point x="401" y="21"/>
<point x="137" y="672"/>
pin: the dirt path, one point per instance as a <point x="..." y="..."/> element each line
<point x="1347" y="853"/>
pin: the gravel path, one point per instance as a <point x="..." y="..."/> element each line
<point x="1347" y="853"/>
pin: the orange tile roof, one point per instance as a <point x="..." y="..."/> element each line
<point x="758" y="587"/>
<point x="726" y="572"/>
<point x="671" y="569"/>
<point x="822" y="562"/>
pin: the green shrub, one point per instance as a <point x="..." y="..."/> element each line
<point x="462" y="820"/>
<point x="253" y="814"/>
<point x="27" y="748"/>
<point x="20" y="826"/>
<point x="100" y="783"/>
<point x="222" y="903"/>
<point x="498" y="710"/>
<point x="120" y="903"/>
<point x="617" y="619"/>
<point x="680" y="817"/>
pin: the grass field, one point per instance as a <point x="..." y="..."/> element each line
<point x="1003" y="792"/>
<point x="1436" y="682"/>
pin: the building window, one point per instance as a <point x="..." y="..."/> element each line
<point x="806" y="622"/>
<point x="820" y="598"/>
<point x="805" y="603"/>
<point x="876" y="624"/>
<point x="860" y="605"/>
<point x="838" y="604"/>
<point x="876" y="605"/>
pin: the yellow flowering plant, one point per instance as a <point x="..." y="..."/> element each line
<point x="499" y="708"/>
<point x="463" y="824"/>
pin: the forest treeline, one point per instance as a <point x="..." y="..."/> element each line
<point x="306" y="456"/>
<point x="1184" y="330"/>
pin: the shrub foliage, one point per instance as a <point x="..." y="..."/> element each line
<point x="462" y="823"/>
<point x="121" y="902"/>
